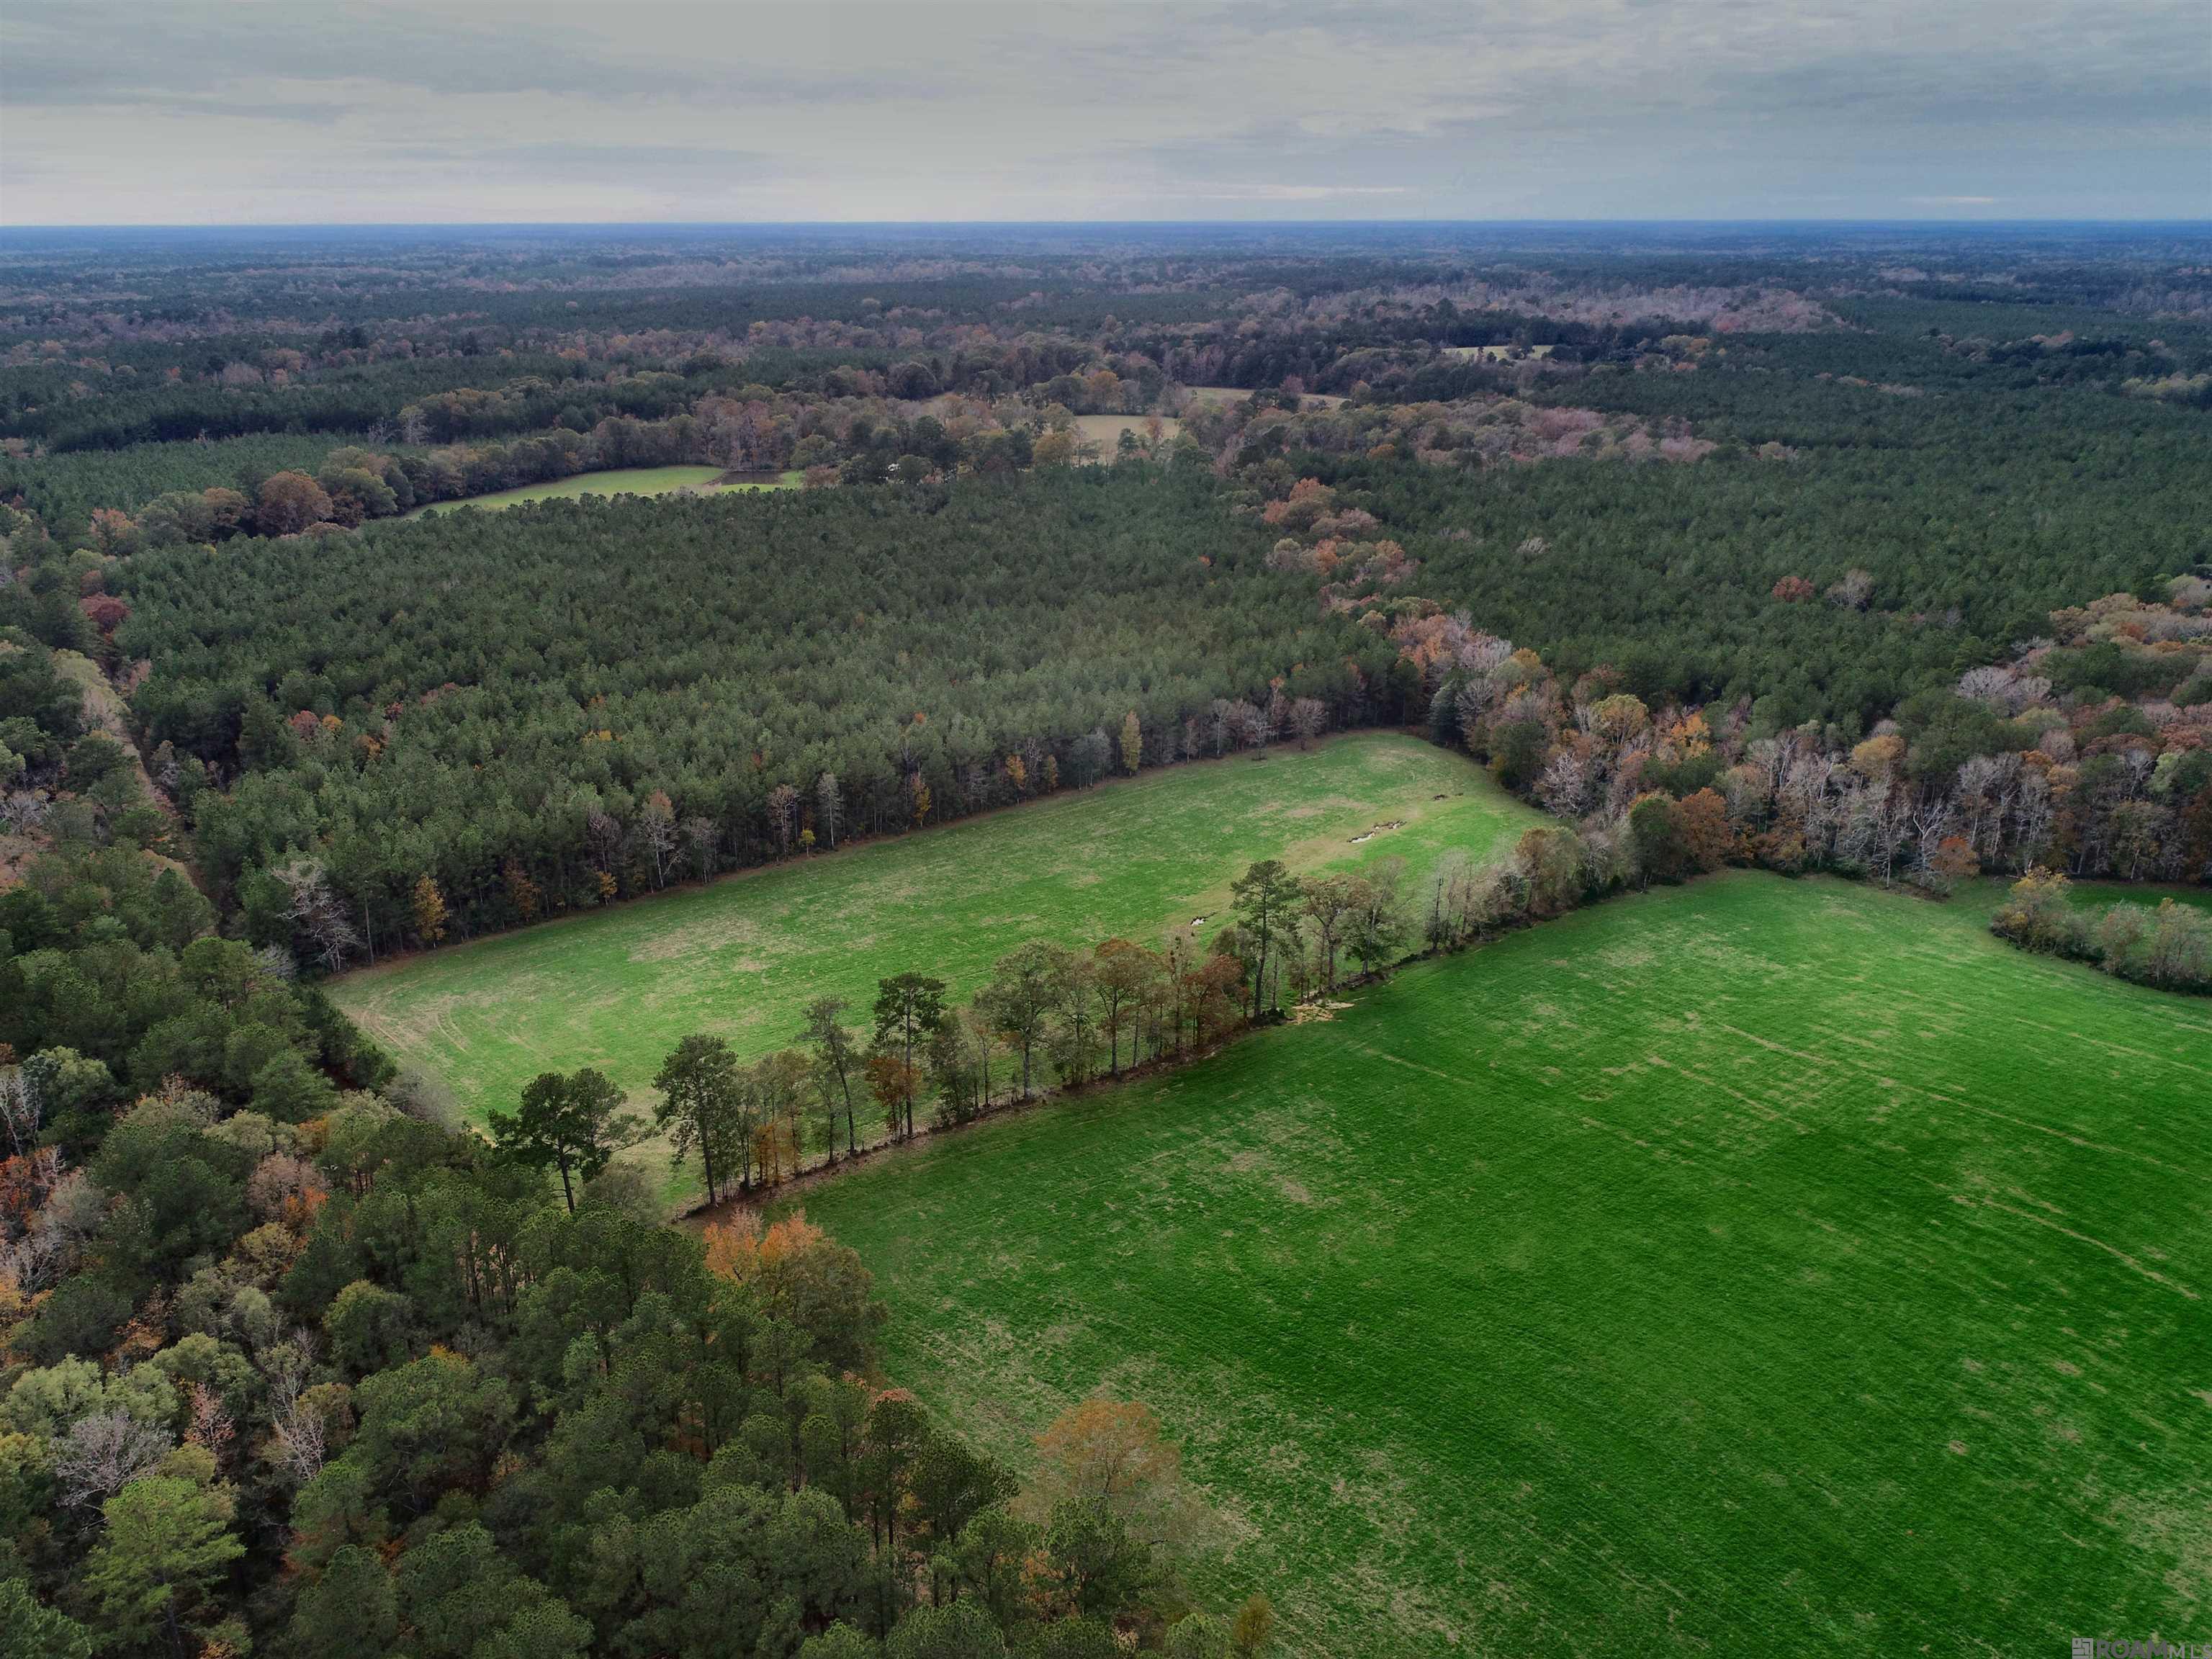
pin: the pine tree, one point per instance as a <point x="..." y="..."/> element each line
<point x="167" y="1543"/>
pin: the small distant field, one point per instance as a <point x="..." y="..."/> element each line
<point x="1106" y="430"/>
<point x="1204" y="395"/>
<point x="617" y="988"/>
<point x="1756" y="1267"/>
<point x="1493" y="354"/>
<point x="621" y="481"/>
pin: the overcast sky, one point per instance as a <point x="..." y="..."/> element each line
<point x="185" y="111"/>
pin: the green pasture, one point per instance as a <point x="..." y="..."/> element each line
<point x="1756" y="1267"/>
<point x="620" y="481"/>
<point x="617" y="988"/>
<point x="2097" y="894"/>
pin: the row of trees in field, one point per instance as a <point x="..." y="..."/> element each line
<point x="1055" y="1016"/>
<point x="1048" y="1012"/>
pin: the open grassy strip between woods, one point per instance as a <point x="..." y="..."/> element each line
<point x="1752" y="1268"/>
<point x="618" y="988"/>
<point x="623" y="481"/>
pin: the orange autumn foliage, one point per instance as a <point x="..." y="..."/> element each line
<point x="1707" y="837"/>
<point x="740" y="1249"/>
<point x="1109" y="1449"/>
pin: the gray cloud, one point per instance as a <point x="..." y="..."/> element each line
<point x="485" y="109"/>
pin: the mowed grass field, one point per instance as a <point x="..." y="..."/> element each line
<point x="618" y="988"/>
<point x="621" y="481"/>
<point x="1750" y="1268"/>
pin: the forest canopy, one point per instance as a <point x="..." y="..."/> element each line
<point x="449" y="696"/>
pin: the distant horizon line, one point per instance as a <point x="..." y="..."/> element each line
<point x="2198" y="222"/>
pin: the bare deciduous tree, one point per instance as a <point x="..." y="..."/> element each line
<point x="21" y="1109"/>
<point x="102" y="1454"/>
<point x="656" y="828"/>
<point x="315" y="910"/>
<point x="783" y="816"/>
<point x="603" y="835"/>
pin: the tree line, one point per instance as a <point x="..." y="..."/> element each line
<point x="2169" y="946"/>
<point x="2089" y="749"/>
<point x="1990" y="776"/>
<point x="1048" y="1017"/>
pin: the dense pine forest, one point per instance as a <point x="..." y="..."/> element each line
<point x="698" y="684"/>
<point x="1880" y="552"/>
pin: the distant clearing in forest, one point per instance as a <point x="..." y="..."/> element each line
<point x="1754" y="1267"/>
<point x="1106" y="430"/>
<point x="622" y="481"/>
<point x="1495" y="354"/>
<point x="1203" y="395"/>
<point x="617" y="988"/>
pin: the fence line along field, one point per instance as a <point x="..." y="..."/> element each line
<point x="618" y="988"/>
<point x="1752" y="1268"/>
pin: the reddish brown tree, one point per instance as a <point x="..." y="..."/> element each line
<point x="289" y="503"/>
<point x="1707" y="836"/>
